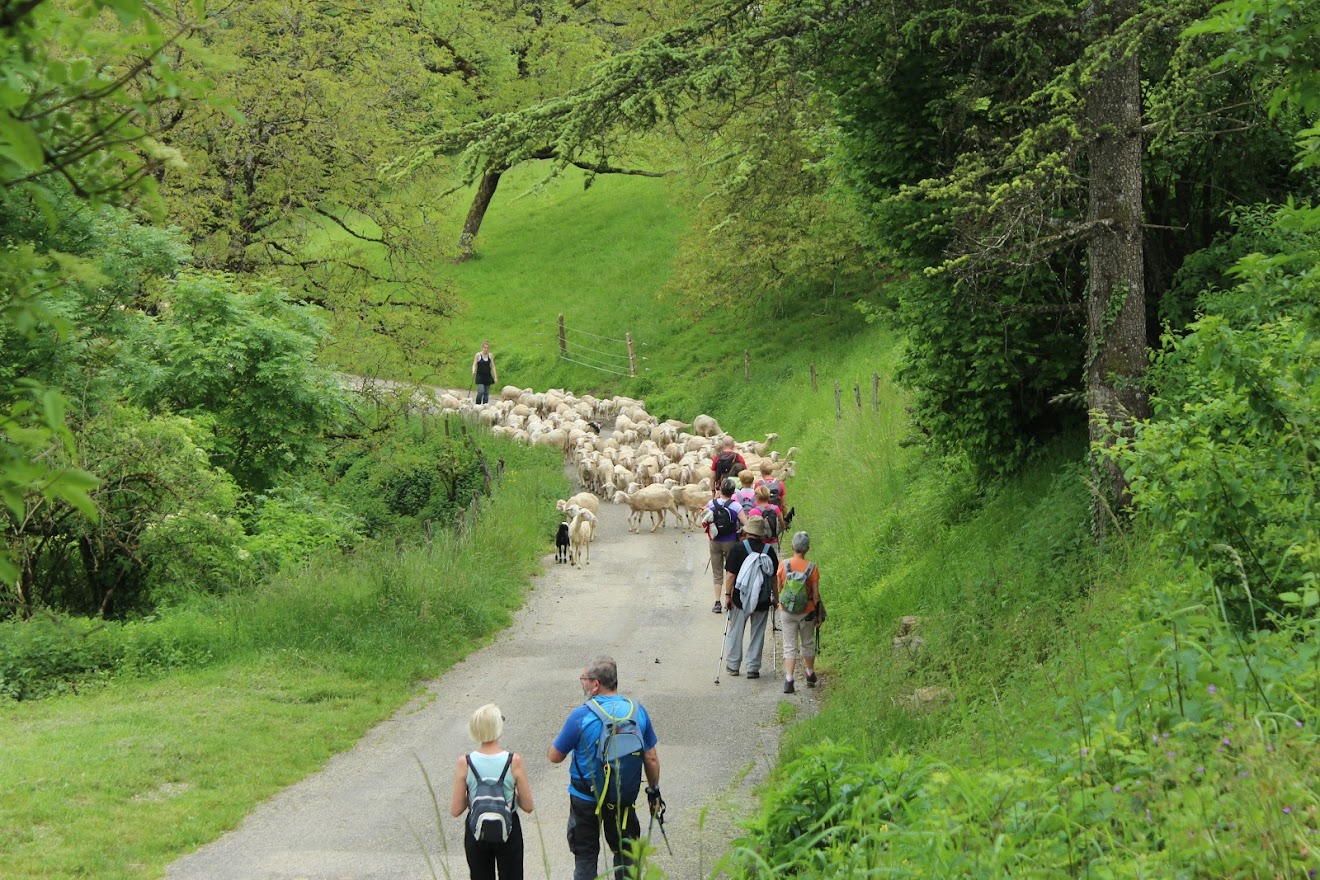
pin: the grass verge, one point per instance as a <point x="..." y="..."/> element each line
<point x="121" y="778"/>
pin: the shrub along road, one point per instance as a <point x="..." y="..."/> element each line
<point x="645" y="600"/>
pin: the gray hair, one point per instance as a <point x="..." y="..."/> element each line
<point x="728" y="487"/>
<point x="801" y="542"/>
<point x="486" y="724"/>
<point x="605" y="671"/>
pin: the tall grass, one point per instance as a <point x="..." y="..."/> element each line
<point x="106" y="781"/>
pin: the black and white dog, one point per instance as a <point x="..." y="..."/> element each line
<point x="561" y="543"/>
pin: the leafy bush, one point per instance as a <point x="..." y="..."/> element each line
<point x="241" y="355"/>
<point x="1186" y="752"/>
<point x="1225" y="471"/>
<point x="291" y="524"/>
<point x="406" y="475"/>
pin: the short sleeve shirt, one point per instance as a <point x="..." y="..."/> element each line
<point x="734" y="508"/>
<point x="583" y="729"/>
<point x="739" y="554"/>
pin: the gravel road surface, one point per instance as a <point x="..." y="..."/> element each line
<point x="644" y="599"/>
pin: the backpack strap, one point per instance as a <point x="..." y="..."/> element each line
<point x="605" y="719"/>
<point x="503" y="773"/>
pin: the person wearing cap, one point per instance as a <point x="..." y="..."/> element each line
<point x="800" y="628"/>
<point x="754" y="533"/>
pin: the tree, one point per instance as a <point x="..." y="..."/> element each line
<point x="282" y="176"/>
<point x="235" y="354"/>
<point x="76" y="116"/>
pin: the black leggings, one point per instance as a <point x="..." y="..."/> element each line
<point x="484" y="860"/>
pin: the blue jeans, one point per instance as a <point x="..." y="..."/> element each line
<point x="483" y="393"/>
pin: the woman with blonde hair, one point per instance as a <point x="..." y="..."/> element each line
<point x="490" y="762"/>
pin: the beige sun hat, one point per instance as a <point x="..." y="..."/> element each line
<point x="755" y="526"/>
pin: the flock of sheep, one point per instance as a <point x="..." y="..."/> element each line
<point x="654" y="467"/>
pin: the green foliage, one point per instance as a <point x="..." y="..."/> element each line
<point x="983" y="375"/>
<point x="1226" y="471"/>
<point x="1183" y="753"/>
<point x="291" y="525"/>
<point x="88" y="87"/>
<point x="238" y="353"/>
<point x="166" y="522"/>
<point x="398" y="479"/>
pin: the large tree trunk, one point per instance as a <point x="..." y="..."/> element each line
<point x="490" y="181"/>
<point x="1116" y="295"/>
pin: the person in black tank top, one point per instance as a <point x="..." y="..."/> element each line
<point x="484" y="373"/>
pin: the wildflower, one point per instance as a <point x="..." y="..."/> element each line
<point x="1147" y="815"/>
<point x="1172" y="754"/>
<point x="1242" y="774"/>
<point x="1287" y="809"/>
<point x="1085" y="751"/>
<point x="1211" y="689"/>
<point x="1225" y="741"/>
<point x="1200" y="769"/>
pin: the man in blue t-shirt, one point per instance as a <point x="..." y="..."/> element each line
<point x="600" y="682"/>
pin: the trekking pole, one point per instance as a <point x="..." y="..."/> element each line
<point x="658" y="807"/>
<point x="724" y="644"/>
<point x="662" y="832"/>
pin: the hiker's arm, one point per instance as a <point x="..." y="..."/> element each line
<point x="651" y="764"/>
<point x="459" y="802"/>
<point x="555" y="756"/>
<point x="494" y="373"/>
<point x="728" y="586"/>
<point x="521" y="785"/>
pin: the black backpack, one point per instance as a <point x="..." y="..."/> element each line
<point x="724" y="464"/>
<point x="772" y="525"/>
<point x="490" y="816"/>
<point x="726" y="524"/>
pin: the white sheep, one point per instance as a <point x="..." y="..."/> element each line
<point x="585" y="500"/>
<point x="581" y="532"/>
<point x="653" y="499"/>
<point x="706" y="426"/>
<point x="690" y="501"/>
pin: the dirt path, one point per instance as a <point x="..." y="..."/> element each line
<point x="645" y="599"/>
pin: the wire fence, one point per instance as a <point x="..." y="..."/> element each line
<point x="608" y="354"/>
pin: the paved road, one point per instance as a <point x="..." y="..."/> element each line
<point x="645" y="599"/>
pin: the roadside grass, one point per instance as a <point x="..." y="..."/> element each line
<point x="130" y="772"/>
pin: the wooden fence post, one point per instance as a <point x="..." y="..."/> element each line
<point x="857" y="392"/>
<point x="563" y="341"/>
<point x="813" y="378"/>
<point x="632" y="357"/>
<point x="747" y="364"/>
<point x="838" y="407"/>
<point x="875" y="392"/>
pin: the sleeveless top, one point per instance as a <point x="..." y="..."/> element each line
<point x="490" y="767"/>
<point x="484" y="375"/>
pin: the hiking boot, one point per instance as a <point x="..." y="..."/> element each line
<point x="811" y="679"/>
<point x="718" y="608"/>
<point x="753" y="675"/>
<point x="730" y="671"/>
<point x="788" y="686"/>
